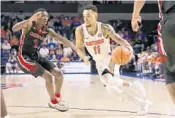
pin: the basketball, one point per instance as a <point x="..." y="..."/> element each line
<point x="121" y="55"/>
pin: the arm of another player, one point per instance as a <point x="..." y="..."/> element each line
<point x="136" y="19"/>
<point x="62" y="39"/>
<point x="80" y="45"/>
<point x="115" y="37"/>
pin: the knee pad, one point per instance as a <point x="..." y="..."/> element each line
<point x="106" y="71"/>
<point x="105" y="77"/>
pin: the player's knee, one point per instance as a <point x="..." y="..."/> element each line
<point x="57" y="73"/>
<point x="105" y="78"/>
<point x="106" y="74"/>
<point x="106" y="71"/>
<point x="48" y="76"/>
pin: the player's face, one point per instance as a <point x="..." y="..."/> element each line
<point x="90" y="17"/>
<point x="43" y="17"/>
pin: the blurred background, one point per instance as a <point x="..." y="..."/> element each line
<point x="65" y="16"/>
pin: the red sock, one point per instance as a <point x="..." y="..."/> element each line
<point x="54" y="101"/>
<point x="57" y="95"/>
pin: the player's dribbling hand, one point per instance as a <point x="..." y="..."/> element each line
<point x="135" y="23"/>
<point x="86" y="59"/>
<point x="131" y="51"/>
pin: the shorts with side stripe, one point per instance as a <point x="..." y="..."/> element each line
<point x="36" y="67"/>
<point x="168" y="38"/>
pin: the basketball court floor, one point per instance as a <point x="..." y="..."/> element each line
<point x="26" y="97"/>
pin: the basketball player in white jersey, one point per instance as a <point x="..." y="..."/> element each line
<point x="95" y="37"/>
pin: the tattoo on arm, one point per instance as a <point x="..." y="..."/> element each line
<point x="115" y="37"/>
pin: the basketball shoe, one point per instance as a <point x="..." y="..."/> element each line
<point x="61" y="106"/>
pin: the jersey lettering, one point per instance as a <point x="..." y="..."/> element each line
<point x="95" y="42"/>
<point x="35" y="43"/>
<point x="97" y="49"/>
<point x="98" y="46"/>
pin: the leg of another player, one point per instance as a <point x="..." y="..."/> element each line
<point x="3" y="107"/>
<point x="171" y="89"/>
<point x="61" y="106"/>
<point x="57" y="73"/>
<point x="9" y="66"/>
<point x="49" y="85"/>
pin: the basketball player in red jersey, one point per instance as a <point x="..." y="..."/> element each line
<point x="34" y="31"/>
<point x="95" y="37"/>
<point x="166" y="37"/>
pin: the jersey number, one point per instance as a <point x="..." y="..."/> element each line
<point x="97" y="49"/>
<point x="35" y="43"/>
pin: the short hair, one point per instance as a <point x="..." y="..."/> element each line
<point x="40" y="9"/>
<point x="91" y="7"/>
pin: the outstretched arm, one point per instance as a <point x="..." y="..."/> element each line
<point x="136" y="19"/>
<point x="20" y="25"/>
<point x="80" y="45"/>
<point x="62" y="39"/>
<point x="138" y="5"/>
<point x="26" y="24"/>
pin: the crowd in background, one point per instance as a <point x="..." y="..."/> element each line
<point x="64" y="2"/>
<point x="106" y="2"/>
<point x="147" y="59"/>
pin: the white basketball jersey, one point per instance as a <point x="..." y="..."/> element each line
<point x="97" y="46"/>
